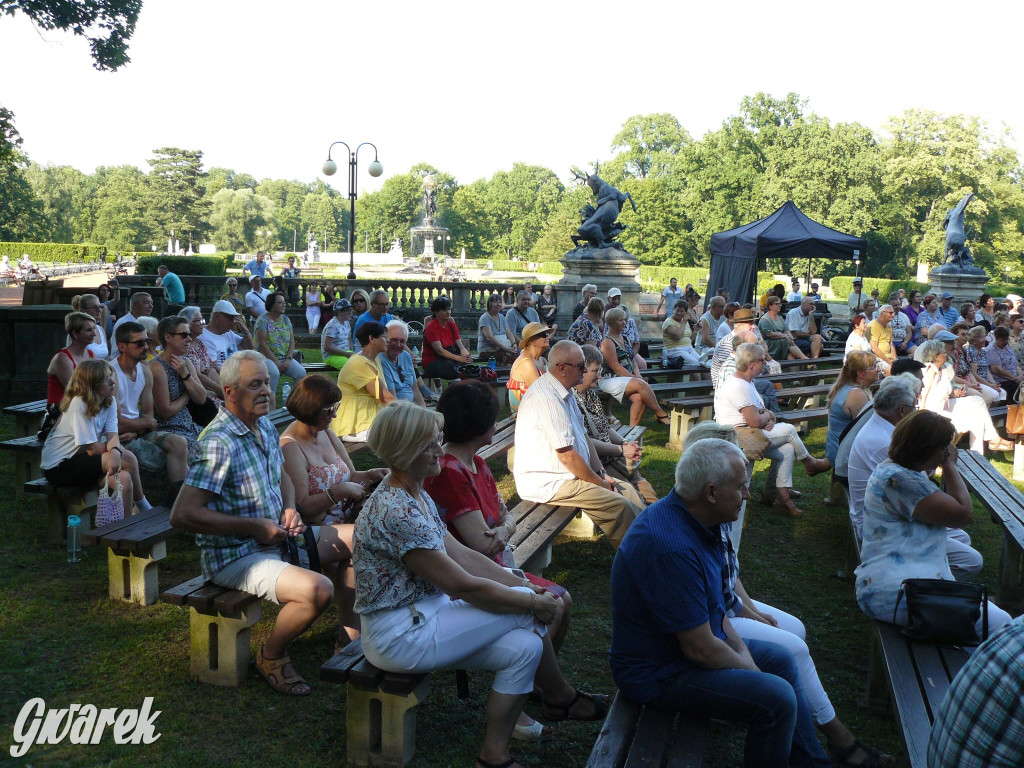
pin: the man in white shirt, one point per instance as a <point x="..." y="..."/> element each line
<point x="795" y="295"/>
<point x="256" y="298"/>
<point x="140" y="305"/>
<point x="855" y="301"/>
<point x="554" y="462"/>
<point x="800" y="322"/>
<point x="136" y="424"/>
<point x="901" y="327"/>
<point x="226" y="333"/>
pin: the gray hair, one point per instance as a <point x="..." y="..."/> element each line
<point x="977" y="332"/>
<point x="562" y="351"/>
<point x="590" y="287"/>
<point x="377" y="294"/>
<point x="138" y="298"/>
<point x="191" y="313"/>
<point x="897" y="391"/>
<point x="716" y="301"/>
<point x="706" y="462"/>
<point x="522" y="293"/>
<point x="933" y="329"/>
<point x="743" y="337"/>
<point x="592" y="354"/>
<point x="747" y="354"/>
<point x="231" y="371"/>
<point x="149" y="323"/>
<point x="397" y="323"/>
<point x="929" y="350"/>
<point x="614" y="314"/>
<point x="705" y="429"/>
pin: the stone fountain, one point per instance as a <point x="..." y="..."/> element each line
<point x="424" y="236"/>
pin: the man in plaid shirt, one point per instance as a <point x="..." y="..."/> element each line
<point x="242" y="506"/>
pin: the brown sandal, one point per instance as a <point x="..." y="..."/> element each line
<point x="272" y="670"/>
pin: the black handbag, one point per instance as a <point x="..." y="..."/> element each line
<point x="944" y="612"/>
<point x="290" y="550"/>
<point x="205" y="413"/>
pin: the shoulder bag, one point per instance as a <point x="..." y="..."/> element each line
<point x="753" y="442"/>
<point x="944" y="612"/>
<point x="1015" y="416"/>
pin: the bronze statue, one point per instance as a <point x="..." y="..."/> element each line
<point x="957" y="253"/>
<point x="429" y="201"/>
<point x="600" y="226"/>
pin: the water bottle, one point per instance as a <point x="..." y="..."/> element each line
<point x="285" y="391"/>
<point x="74" y="538"/>
<point x="492" y="364"/>
<point x="416" y="354"/>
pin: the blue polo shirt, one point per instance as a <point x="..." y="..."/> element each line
<point x="256" y="268"/>
<point x="666" y="578"/>
<point x="366" y="317"/>
<point x="173" y="289"/>
<point x="400" y="376"/>
<point x="950" y="317"/>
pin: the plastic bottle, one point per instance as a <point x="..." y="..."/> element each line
<point x="74" y="538"/>
<point x="416" y="354"/>
<point x="492" y="364"/>
<point x="285" y="391"/>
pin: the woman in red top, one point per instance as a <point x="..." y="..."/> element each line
<point x="81" y="329"/>
<point x="467" y="500"/>
<point x="442" y="343"/>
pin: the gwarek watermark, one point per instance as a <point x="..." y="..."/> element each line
<point x="82" y="724"/>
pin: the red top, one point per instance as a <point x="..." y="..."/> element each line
<point x="447" y="335"/>
<point x="457" y="491"/>
<point x="54" y="389"/>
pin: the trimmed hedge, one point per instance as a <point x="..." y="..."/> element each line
<point x="842" y="286"/>
<point x="210" y="266"/>
<point x="64" y="252"/>
<point x="655" y="278"/>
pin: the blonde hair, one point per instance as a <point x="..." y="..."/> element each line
<point x="87" y="378"/>
<point x="74" y="322"/>
<point x="614" y="314"/>
<point x="401" y="430"/>
<point x="858" y="361"/>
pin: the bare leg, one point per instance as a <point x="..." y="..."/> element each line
<point x="640" y="387"/>
<point x="502" y="712"/>
<point x="130" y="464"/>
<point x="560" y="626"/>
<point x="124" y="475"/>
<point x="335" y="550"/>
<point x="304" y="595"/>
<point x="176" y="448"/>
<point x="795" y="353"/>
<point x="816" y="345"/>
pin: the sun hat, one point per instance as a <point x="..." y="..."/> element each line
<point x="743" y="315"/>
<point x="225" y="307"/>
<point x="532" y="331"/>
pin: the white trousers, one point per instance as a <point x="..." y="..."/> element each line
<point x="965" y="561"/>
<point x="313" y="318"/>
<point x="790" y="634"/>
<point x="786" y="448"/>
<point x="441" y="633"/>
<point x="689" y="354"/>
<point x="970" y="414"/>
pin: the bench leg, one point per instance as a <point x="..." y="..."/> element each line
<point x="59" y="505"/>
<point x="581" y="527"/>
<point x="220" y="646"/>
<point x="1010" y="561"/>
<point x="876" y="692"/>
<point x="134" y="578"/>
<point x="541" y="559"/>
<point x="381" y="727"/>
<point x="26" y="468"/>
<point x="679" y="425"/>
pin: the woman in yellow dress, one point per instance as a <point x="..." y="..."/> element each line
<point x="363" y="391"/>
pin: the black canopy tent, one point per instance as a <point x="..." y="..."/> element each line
<point x="789" y="233"/>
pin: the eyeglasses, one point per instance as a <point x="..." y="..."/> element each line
<point x="140" y="343"/>
<point x="183" y="334"/>
<point x="331" y="410"/>
<point x="581" y="367"/>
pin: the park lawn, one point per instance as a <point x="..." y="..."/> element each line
<point x="62" y="639"/>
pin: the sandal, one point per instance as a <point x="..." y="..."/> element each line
<point x="273" y="672"/>
<point x="535" y="732"/>
<point x="561" y="711"/>
<point x="666" y="420"/>
<point x="872" y="757"/>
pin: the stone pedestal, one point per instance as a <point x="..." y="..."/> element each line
<point x="604" y="267"/>
<point x="965" y="283"/>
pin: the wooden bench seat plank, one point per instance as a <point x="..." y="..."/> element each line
<point x="202" y="599"/>
<point x="97" y="535"/>
<point x="616" y="734"/>
<point x="336" y="668"/>
<point x="231" y="602"/>
<point x="687" y="750"/>
<point x="365" y="676"/>
<point x="179" y="595"/>
<point x="27" y="444"/>
<point x="653" y="735"/>
<point x="932" y="676"/>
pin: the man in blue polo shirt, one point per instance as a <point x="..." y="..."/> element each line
<point x="672" y="645"/>
<point x="258" y="266"/>
<point x="947" y="312"/>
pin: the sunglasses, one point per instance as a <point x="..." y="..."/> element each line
<point x="581" y="367"/>
<point x="140" y="343"/>
<point x="183" y="334"/>
<point x="331" y="410"/>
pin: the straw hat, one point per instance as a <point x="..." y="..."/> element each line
<point x="532" y="331"/>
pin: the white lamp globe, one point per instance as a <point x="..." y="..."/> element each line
<point x="376" y="169"/>
<point x="329" y="168"/>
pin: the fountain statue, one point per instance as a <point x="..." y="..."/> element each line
<point x="423" y="236"/>
<point x="958" y="273"/>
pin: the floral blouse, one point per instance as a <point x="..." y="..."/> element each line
<point x="392" y="524"/>
<point x="896" y="546"/>
<point x="594" y="415"/>
<point x="979" y="358"/>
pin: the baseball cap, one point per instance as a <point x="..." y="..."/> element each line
<point x="947" y="295"/>
<point x="614" y="292"/>
<point x="341" y="304"/>
<point x="225" y="308"/>
<point x="857" y="280"/>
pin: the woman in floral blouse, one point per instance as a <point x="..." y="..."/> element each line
<point x="428" y="602"/>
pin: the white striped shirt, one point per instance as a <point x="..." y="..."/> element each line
<point x="548" y="419"/>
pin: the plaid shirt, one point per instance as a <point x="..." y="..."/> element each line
<point x="244" y="478"/>
<point x="981" y="721"/>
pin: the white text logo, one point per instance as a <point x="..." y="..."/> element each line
<point x="83" y="724"/>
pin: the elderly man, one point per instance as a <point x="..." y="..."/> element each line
<point x="800" y="322"/>
<point x="1002" y="363"/>
<point x="705" y="334"/>
<point x="140" y="305"/>
<point x="669" y="296"/>
<point x="901" y="327"/>
<point x="673" y="647"/>
<point x="397" y="367"/>
<point x="376" y="312"/>
<point x="256" y="298"/>
<point x="589" y="292"/>
<point x="136" y="423"/>
<point x="947" y="312"/>
<point x="855" y="301"/>
<point x="243" y="507"/>
<point x="520" y="316"/>
<point x="879" y="334"/>
<point x="897" y="399"/>
<point x="174" y="291"/>
<point x="554" y="461"/>
<point x="677" y="337"/>
<point x="336" y="339"/>
<point x="226" y="333"/>
<point x="723" y="361"/>
<point x="258" y="266"/>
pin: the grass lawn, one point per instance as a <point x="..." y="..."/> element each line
<point x="62" y="639"/>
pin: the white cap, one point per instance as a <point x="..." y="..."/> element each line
<point x="614" y="292"/>
<point x="225" y="307"/>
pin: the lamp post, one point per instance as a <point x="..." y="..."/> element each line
<point x="330" y="168"/>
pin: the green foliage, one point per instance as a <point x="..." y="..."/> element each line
<point x="236" y="217"/>
<point x="50" y="252"/>
<point x="211" y="266"/>
<point x="842" y="286"/>
<point x="655" y="278"/>
<point x="176" y="195"/>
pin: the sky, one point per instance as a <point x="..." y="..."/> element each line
<point x="471" y="87"/>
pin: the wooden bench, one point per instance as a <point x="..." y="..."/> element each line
<point x="134" y="546"/>
<point x="27" y="452"/>
<point x="27" y="417"/>
<point x="637" y="736"/>
<point x="61" y="502"/>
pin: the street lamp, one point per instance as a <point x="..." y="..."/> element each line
<point x="330" y="168"/>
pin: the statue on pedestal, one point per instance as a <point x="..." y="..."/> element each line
<point x="600" y="225"/>
<point x="429" y="201"/>
<point x="957" y="253"/>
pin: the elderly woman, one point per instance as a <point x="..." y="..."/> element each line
<point x="530" y="365"/>
<point x="275" y="340"/>
<point x="442" y="343"/>
<point x="83" y="449"/>
<point x="467" y="500"/>
<point x="175" y="381"/>
<point x="150" y="324"/>
<point x="197" y="352"/>
<point x="327" y="484"/>
<point x="89" y="303"/>
<point x="232" y="295"/>
<point x="967" y="412"/>
<point x="906" y="516"/>
<point x="857" y="341"/>
<point x="986" y="311"/>
<point x="362" y="385"/>
<point x="753" y="620"/>
<point x="314" y="307"/>
<point x="619" y="458"/>
<point x="621" y="378"/>
<point x="586" y="329"/>
<point x="969" y="313"/>
<point x="737" y="403"/>
<point x="781" y="345"/>
<point x="492" y="337"/>
<point x="977" y="359"/>
<point x="956" y="355"/>
<point x="928" y="317"/>
<point x="81" y="329"/>
<point x="429" y="602"/>
<point x="849" y="396"/>
<point x="547" y="306"/>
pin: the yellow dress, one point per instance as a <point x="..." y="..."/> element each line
<point x="358" y="408"/>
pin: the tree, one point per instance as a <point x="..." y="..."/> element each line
<point x="21" y="211"/>
<point x="647" y="145"/>
<point x="320" y="217"/>
<point x="235" y="217"/>
<point x="519" y="203"/>
<point x="288" y="197"/>
<point x="121" y="214"/>
<point x="176" y="199"/>
<point x="58" y="189"/>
